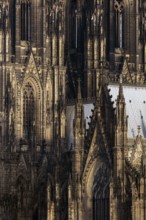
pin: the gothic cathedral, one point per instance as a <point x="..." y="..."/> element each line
<point x="72" y="109"/>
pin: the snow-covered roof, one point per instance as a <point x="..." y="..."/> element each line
<point x="135" y="98"/>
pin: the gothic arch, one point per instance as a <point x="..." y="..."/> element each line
<point x="21" y="189"/>
<point x="88" y="188"/>
<point x="100" y="194"/>
<point x="34" y="81"/>
<point x="23" y="196"/>
<point x="91" y="188"/>
<point x="123" y="10"/>
<point x="31" y="109"/>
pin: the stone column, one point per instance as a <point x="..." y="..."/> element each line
<point x="18" y="30"/>
<point x="96" y="52"/>
<point x="70" y="201"/>
<point x="48" y="50"/>
<point x="61" y="50"/>
<point x="48" y="202"/>
<point x="52" y="213"/>
<point x="54" y="49"/>
<point x="142" y="211"/>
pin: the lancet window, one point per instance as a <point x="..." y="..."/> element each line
<point x="101" y="203"/>
<point x="101" y="206"/>
<point x="119" y="6"/>
<point x="28" y="111"/>
<point x="25" y="20"/>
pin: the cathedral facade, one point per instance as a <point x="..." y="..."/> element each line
<point x="72" y="110"/>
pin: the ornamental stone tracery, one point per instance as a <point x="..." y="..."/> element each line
<point x="65" y="151"/>
<point x="119" y="5"/>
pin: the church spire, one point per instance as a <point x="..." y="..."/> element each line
<point x="120" y="134"/>
<point x="121" y="108"/>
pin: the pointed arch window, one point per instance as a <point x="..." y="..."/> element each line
<point x="121" y="30"/>
<point x="119" y="6"/>
<point x="101" y="195"/>
<point x="22" y="194"/>
<point x="28" y="111"/>
<point x="25" y="20"/>
<point x="101" y="206"/>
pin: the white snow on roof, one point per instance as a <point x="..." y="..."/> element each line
<point x="135" y="98"/>
<point x="70" y="114"/>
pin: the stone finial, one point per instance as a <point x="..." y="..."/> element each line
<point x="139" y="129"/>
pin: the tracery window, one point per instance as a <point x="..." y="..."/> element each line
<point x="21" y="184"/>
<point x="25" y="20"/>
<point x="101" y="194"/>
<point x="121" y="30"/>
<point x="119" y="6"/>
<point x="101" y="206"/>
<point x="28" y="111"/>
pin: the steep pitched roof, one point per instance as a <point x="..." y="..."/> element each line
<point x="135" y="107"/>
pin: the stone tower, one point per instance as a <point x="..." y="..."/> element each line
<point x="72" y="110"/>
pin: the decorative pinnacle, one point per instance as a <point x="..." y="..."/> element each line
<point x="121" y="94"/>
<point x="139" y="128"/>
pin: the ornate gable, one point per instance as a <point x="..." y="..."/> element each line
<point x="125" y="74"/>
<point x="31" y="67"/>
<point x="44" y="162"/>
<point x="135" y="154"/>
<point x="43" y="169"/>
<point x="22" y="163"/>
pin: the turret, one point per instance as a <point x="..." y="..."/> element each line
<point x="78" y="153"/>
<point x="79" y="132"/>
<point x="120" y="135"/>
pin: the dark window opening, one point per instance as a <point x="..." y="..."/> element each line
<point x="119" y="7"/>
<point x="28" y="112"/>
<point x="25" y="21"/>
<point x="101" y="209"/>
<point x="119" y="30"/>
<point x="35" y="216"/>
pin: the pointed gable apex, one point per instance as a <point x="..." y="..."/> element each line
<point x="45" y="161"/>
<point x="125" y="73"/>
<point x="31" y="66"/>
<point x="43" y="168"/>
<point x="22" y="163"/>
